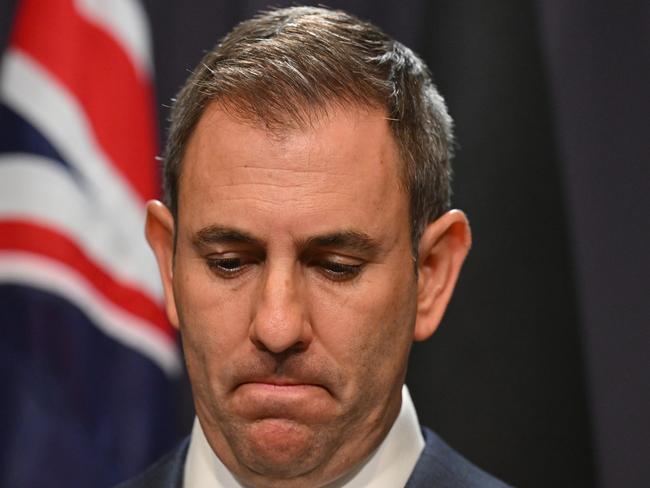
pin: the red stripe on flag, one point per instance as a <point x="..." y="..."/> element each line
<point x="31" y="237"/>
<point x="97" y="71"/>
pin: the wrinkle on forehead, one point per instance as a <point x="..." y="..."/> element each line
<point x="300" y="176"/>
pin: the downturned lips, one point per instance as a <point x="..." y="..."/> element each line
<point x="282" y="398"/>
<point x="283" y="383"/>
<point x="280" y="385"/>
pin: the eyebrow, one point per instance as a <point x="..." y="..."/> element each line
<point x="216" y="234"/>
<point x="350" y="239"/>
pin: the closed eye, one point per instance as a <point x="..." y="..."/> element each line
<point x="338" y="271"/>
<point x="229" y="266"/>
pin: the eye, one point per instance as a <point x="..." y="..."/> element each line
<point x="338" y="271"/>
<point x="228" y="266"/>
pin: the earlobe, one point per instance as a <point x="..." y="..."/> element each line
<point x="159" y="230"/>
<point x="441" y="253"/>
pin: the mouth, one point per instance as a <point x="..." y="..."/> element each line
<point x="301" y="398"/>
<point x="278" y="385"/>
<point x="279" y="396"/>
<point x="277" y="380"/>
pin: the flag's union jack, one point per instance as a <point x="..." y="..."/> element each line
<point x="86" y="354"/>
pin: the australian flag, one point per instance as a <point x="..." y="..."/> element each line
<point x="87" y="358"/>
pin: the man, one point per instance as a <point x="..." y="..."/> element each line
<point x="304" y="243"/>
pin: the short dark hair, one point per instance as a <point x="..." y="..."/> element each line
<point x="284" y="66"/>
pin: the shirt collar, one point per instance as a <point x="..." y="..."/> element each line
<point x="389" y="465"/>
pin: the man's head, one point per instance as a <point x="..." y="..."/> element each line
<point x="288" y="250"/>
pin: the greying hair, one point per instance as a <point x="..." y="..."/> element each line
<point x="286" y="66"/>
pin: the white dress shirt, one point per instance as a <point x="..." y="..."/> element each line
<point x="389" y="466"/>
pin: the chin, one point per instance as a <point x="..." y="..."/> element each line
<point x="280" y="448"/>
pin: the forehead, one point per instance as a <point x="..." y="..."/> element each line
<point x="341" y="170"/>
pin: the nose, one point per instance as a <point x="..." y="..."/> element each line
<point x="280" y="323"/>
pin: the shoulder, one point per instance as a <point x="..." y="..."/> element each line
<point x="439" y="465"/>
<point x="167" y="472"/>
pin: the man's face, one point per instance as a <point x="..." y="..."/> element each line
<point x="294" y="290"/>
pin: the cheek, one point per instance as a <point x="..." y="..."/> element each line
<point x="213" y="321"/>
<point x="368" y="328"/>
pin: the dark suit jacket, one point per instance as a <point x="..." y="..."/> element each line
<point x="439" y="466"/>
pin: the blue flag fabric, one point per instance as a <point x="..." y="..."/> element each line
<point x="88" y="360"/>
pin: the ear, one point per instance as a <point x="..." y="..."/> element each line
<point x="159" y="229"/>
<point x="441" y="253"/>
